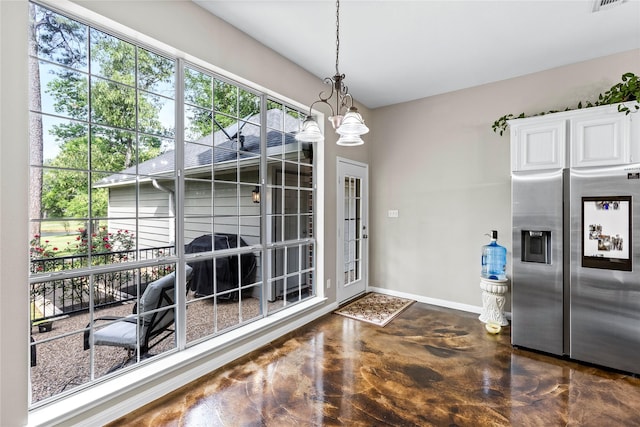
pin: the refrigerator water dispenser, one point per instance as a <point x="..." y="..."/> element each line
<point x="536" y="246"/>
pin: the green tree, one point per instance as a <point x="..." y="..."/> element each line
<point x="203" y="95"/>
<point x="59" y="39"/>
<point x="125" y="98"/>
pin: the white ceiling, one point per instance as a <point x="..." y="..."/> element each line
<point x="394" y="51"/>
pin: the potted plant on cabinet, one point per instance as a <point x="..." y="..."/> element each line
<point x="626" y="90"/>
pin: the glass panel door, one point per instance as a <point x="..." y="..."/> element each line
<point x="352" y="233"/>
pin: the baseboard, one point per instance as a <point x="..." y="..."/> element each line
<point x="433" y="301"/>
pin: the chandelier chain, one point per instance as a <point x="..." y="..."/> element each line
<point x="337" y="34"/>
<point x="346" y="120"/>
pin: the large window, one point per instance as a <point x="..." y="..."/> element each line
<point x="145" y="187"/>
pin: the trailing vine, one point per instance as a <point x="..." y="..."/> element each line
<point x="627" y="90"/>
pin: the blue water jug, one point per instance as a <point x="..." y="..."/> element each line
<point x="494" y="259"/>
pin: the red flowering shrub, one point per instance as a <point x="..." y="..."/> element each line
<point x="102" y="241"/>
<point x="39" y="249"/>
<point x="105" y="247"/>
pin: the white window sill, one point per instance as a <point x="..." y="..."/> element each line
<point x="105" y="401"/>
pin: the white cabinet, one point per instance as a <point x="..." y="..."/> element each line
<point x="596" y="136"/>
<point x="538" y="145"/>
<point x="600" y="139"/>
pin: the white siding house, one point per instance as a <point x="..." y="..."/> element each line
<point x="222" y="204"/>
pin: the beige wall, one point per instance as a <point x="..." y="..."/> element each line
<point x="14" y="321"/>
<point x="439" y="163"/>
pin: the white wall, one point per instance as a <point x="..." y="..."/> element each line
<point x="439" y="163"/>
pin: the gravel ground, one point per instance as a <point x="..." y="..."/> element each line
<point x="63" y="364"/>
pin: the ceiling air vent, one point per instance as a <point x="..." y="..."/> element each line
<point x="599" y="5"/>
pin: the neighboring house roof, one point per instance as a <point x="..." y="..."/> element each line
<point x="199" y="155"/>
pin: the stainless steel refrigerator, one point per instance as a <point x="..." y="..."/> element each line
<point x="576" y="264"/>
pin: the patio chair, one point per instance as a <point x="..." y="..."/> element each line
<point x="128" y="331"/>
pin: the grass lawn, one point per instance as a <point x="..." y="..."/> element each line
<point x="60" y="226"/>
<point x="60" y="235"/>
<point x="61" y="243"/>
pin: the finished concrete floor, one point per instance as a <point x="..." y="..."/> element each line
<point x="428" y="367"/>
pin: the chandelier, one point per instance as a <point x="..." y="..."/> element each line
<point x="349" y="126"/>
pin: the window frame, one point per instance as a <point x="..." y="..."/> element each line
<point x="137" y="376"/>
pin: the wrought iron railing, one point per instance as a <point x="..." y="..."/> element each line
<point x="56" y="297"/>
